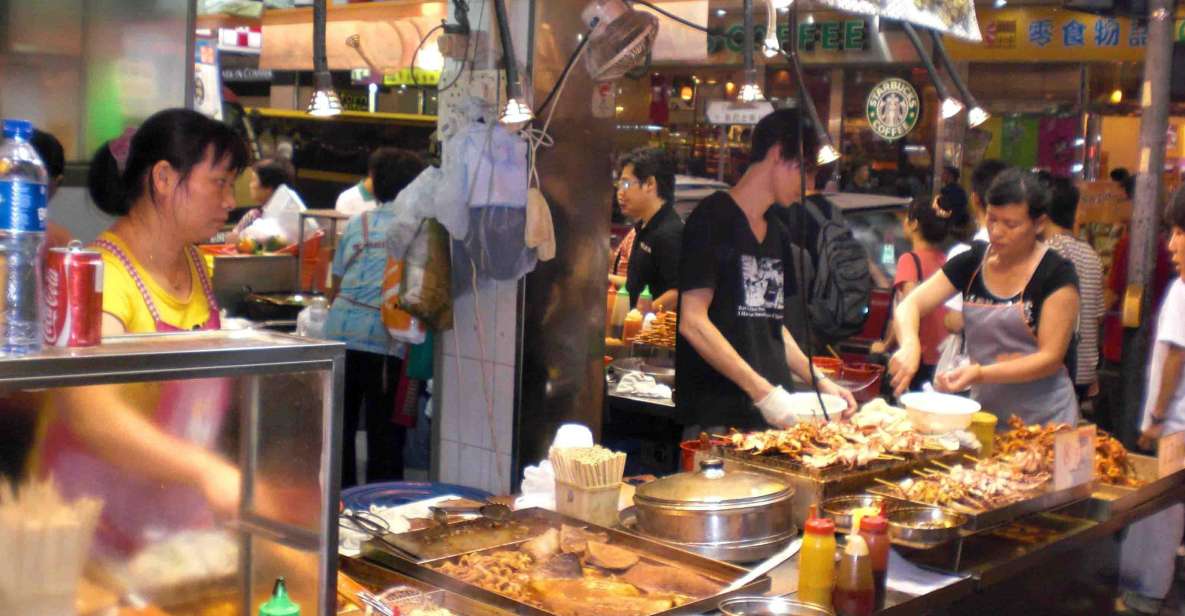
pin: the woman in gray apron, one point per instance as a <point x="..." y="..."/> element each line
<point x="1020" y="308"/>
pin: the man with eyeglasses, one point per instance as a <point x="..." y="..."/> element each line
<point x="646" y="191"/>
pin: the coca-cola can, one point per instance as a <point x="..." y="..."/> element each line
<point x="73" y="296"/>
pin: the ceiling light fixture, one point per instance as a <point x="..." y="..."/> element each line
<point x="325" y="102"/>
<point x="1116" y="96"/>
<point x="827" y="152"/>
<point x="750" y="92"/>
<point x="976" y="114"/>
<point x="516" y="111"/>
<point x="950" y="105"/>
<point x="770" y="46"/>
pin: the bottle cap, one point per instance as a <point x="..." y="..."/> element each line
<point x="820" y="526"/>
<point x="279" y="604"/>
<point x="646" y="293"/>
<point x="634" y="315"/>
<point x="22" y="129"/>
<point x="856" y="546"/>
<point x="874" y="524"/>
<point x="623" y="291"/>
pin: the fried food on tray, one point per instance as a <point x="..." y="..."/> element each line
<point x="1111" y="462"/>
<point x="662" y="578"/>
<point x="661" y="332"/>
<point x="992" y="483"/>
<point x="544" y="546"/>
<point x="601" y="580"/>
<point x="610" y="556"/>
<point x="505" y="572"/>
<point x="877" y="432"/>
<point x="574" y="539"/>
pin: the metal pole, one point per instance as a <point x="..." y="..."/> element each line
<point x="750" y="70"/>
<point x="1146" y="212"/>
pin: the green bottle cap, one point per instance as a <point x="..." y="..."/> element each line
<point x="279" y="604"/>
<point x="646" y="293"/>
<point x="623" y="291"/>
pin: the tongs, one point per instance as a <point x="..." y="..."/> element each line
<point x="376" y="528"/>
<point x="494" y="512"/>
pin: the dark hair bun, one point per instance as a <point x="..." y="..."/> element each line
<point x="105" y="184"/>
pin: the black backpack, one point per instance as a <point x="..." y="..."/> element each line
<point x="838" y="293"/>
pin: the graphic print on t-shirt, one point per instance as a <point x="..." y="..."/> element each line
<point x="762" y="277"/>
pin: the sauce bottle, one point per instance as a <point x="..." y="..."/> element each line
<point x="645" y="301"/>
<point x="854" y="594"/>
<point x="816" y="561"/>
<point x="609" y="302"/>
<point x="621" y="306"/>
<point x="875" y="532"/>
<point x="279" y="604"/>
<point x="632" y="326"/>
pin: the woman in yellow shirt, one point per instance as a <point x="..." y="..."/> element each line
<point x="148" y="450"/>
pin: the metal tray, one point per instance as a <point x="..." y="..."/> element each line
<point x="377" y="578"/>
<point x="435" y="543"/>
<point x="651" y="550"/>
<point x="1038" y="502"/>
<point x="1110" y="500"/>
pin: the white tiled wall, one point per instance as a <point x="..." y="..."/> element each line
<point x="476" y="383"/>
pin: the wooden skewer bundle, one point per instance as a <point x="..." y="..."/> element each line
<point x="587" y="467"/>
<point x="45" y="542"/>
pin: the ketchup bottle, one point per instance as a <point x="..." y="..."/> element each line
<point x="875" y="532"/>
<point x="854" y="594"/>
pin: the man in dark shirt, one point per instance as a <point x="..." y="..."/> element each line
<point x="734" y="354"/>
<point x="646" y="191"/>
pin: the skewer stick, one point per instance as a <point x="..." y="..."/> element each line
<point x="971" y="458"/>
<point x="890" y="484"/>
<point x="941" y="465"/>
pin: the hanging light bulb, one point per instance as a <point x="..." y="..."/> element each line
<point x="325" y="102"/>
<point x="827" y="154"/>
<point x="951" y="107"/>
<point x="1116" y="96"/>
<point x="978" y="115"/>
<point x="770" y="45"/>
<point x="516" y="112"/>
<point x="750" y="93"/>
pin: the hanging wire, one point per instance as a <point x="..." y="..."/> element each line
<point x="676" y="18"/>
<point x="568" y="66"/>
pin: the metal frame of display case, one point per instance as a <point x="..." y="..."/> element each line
<point x="190" y="355"/>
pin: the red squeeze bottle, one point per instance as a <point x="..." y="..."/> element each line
<point x="854" y="593"/>
<point x="875" y="531"/>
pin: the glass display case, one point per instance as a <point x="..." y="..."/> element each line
<point x="215" y="456"/>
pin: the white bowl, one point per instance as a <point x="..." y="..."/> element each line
<point x="933" y="412"/>
<point x="806" y="405"/>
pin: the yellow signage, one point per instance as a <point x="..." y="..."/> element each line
<point x="406" y="77"/>
<point x="1055" y="35"/>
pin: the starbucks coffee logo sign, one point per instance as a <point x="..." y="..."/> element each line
<point x="892" y="108"/>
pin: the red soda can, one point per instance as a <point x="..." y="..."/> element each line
<point x="73" y="297"/>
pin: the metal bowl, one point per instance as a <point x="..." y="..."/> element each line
<point x="839" y="509"/>
<point x="770" y="606"/>
<point x="924" y="526"/>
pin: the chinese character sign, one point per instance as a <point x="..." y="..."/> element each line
<point x="1041" y="32"/>
<point x="1106" y="32"/>
<point x="1074" y="34"/>
<point x="1057" y="35"/>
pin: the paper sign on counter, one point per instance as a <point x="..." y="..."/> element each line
<point x="1073" y="457"/>
<point x="1170" y="454"/>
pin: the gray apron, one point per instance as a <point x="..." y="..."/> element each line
<point x="994" y="330"/>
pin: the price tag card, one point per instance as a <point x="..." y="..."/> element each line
<point x="1170" y="454"/>
<point x="1073" y="457"/>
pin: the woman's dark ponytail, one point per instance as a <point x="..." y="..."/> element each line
<point x="105" y="183"/>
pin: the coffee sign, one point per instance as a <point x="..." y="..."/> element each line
<point x="892" y="108"/>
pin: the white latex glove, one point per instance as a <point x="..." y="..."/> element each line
<point x="776" y="408"/>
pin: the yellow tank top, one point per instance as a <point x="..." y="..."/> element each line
<point x="122" y="298"/>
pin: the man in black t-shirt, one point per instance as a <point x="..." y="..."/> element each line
<point x="734" y="355"/>
<point x="646" y="190"/>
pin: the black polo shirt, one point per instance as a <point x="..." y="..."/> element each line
<point x="654" y="260"/>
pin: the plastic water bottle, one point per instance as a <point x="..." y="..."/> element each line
<point x="310" y="323"/>
<point x="23" y="196"/>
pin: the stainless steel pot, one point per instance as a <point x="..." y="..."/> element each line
<point x="727" y="515"/>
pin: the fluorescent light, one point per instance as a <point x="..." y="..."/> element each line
<point x="721" y="12"/>
<point x="826" y="154"/>
<point x="516" y="112"/>
<point x="1000" y="4"/>
<point x="750" y="93"/>
<point x="951" y="107"/>
<point x="978" y="115"/>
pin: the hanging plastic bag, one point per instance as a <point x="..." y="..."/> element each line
<point x="496" y="242"/>
<point x="426" y="290"/>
